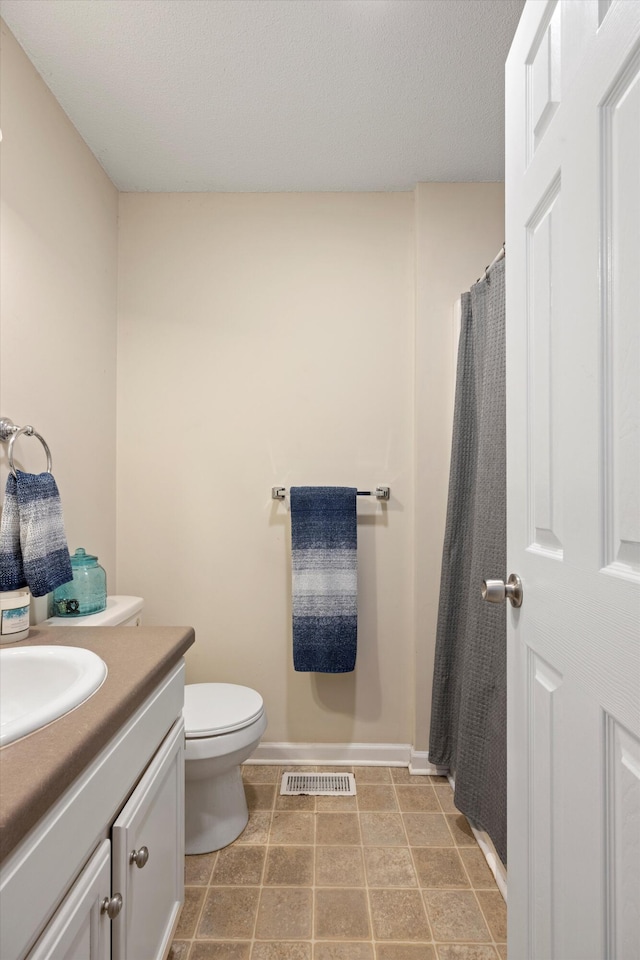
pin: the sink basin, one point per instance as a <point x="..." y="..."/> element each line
<point x="40" y="684"/>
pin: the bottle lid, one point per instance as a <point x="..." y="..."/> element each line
<point x="80" y="558"/>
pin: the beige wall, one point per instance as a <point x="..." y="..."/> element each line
<point x="459" y="230"/>
<point x="58" y="248"/>
<point x="264" y="339"/>
<point x="268" y="340"/>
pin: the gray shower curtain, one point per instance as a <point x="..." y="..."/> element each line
<point x="468" y="716"/>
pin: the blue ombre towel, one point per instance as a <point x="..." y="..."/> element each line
<point x="324" y="578"/>
<point x="33" y="545"/>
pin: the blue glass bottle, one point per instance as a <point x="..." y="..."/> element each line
<point x="86" y="593"/>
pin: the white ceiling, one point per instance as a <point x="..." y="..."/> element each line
<point x="269" y="95"/>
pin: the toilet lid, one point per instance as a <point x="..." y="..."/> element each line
<point x="214" y="708"/>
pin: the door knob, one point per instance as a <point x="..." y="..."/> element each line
<point x="112" y="906"/>
<point x="139" y="857"/>
<point x="495" y="591"/>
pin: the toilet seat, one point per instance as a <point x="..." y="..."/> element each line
<point x="215" y="709"/>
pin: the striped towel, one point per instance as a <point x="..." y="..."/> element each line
<point x="324" y="578"/>
<point x="33" y="546"/>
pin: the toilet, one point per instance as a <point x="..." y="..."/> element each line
<point x="223" y="725"/>
<point x="119" y="612"/>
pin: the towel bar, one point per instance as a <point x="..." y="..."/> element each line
<point x="380" y="493"/>
<point x="9" y="431"/>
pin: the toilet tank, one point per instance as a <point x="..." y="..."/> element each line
<point x="119" y="612"/>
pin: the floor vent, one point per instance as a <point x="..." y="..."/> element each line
<point x="318" y="784"/>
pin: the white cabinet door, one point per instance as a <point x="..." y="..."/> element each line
<point x="79" y="930"/>
<point x="573" y="467"/>
<point x="153" y="818"/>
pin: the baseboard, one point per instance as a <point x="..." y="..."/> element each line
<point x="347" y="754"/>
<point x="490" y="854"/>
<point x="420" y="766"/>
<point x="336" y="754"/>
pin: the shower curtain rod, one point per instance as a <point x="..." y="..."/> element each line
<point x="500" y="254"/>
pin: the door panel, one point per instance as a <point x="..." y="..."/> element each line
<point x="79" y="930"/>
<point x="573" y="475"/>
<point x="153" y="818"/>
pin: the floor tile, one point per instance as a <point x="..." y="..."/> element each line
<point x="427" y="830"/>
<point x="376" y="796"/>
<point x="445" y="798"/>
<point x="455" y="915"/>
<point x="341" y="914"/>
<point x="281" y="950"/>
<point x="398" y="915"/>
<point x="339" y="867"/>
<point x="378" y="876"/>
<point x="477" y="868"/>
<point x="257" y="830"/>
<point x="466" y="951"/>
<point x="295" y="803"/>
<point x="220" y="950"/>
<point x="337" y="828"/>
<point x="260" y="796"/>
<point x="260" y="773"/>
<point x="179" y="950"/>
<point x="495" y="912"/>
<point x="462" y="833"/>
<point x="382" y="829"/>
<point x="289" y="866"/>
<point x="285" y="913"/>
<point x="405" y="951"/>
<point x="389" y="867"/>
<point x="198" y="868"/>
<point x="291" y="827"/>
<point x="402" y="775"/>
<point x="418" y="799"/>
<point x="193" y="899"/>
<point x="229" y="913"/>
<point x="347" y="950"/>
<point x="240" y="866"/>
<point x="336" y="804"/>
<point x="439" y="867"/>
<point x="372" y="775"/>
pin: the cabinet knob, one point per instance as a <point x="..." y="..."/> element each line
<point x="139" y="857"/>
<point x="111" y="906"/>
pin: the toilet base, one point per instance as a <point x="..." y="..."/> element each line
<point x="216" y="811"/>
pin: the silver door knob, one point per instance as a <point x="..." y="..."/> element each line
<point x="139" y="857"/>
<point x="111" y="906"/>
<point x="495" y="591"/>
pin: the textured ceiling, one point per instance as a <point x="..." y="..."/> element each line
<point x="270" y="95"/>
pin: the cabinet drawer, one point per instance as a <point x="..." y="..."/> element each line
<point x="150" y="828"/>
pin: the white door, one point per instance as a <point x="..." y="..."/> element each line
<point x="148" y="856"/>
<point x="573" y="465"/>
<point x="80" y="929"/>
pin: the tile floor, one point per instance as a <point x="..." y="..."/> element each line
<point x="391" y="874"/>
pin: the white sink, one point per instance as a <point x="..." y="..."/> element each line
<point x="40" y="684"/>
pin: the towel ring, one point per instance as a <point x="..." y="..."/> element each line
<point x="29" y="432"/>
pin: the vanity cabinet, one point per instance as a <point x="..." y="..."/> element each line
<point x="119" y="830"/>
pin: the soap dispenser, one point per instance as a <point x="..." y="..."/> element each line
<point x="86" y="593"/>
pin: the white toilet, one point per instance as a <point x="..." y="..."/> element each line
<point x="119" y="612"/>
<point x="223" y="725"/>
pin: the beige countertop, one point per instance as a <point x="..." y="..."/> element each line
<point x="35" y="770"/>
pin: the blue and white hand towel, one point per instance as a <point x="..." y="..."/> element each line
<point x="324" y="578"/>
<point x="33" y="545"/>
